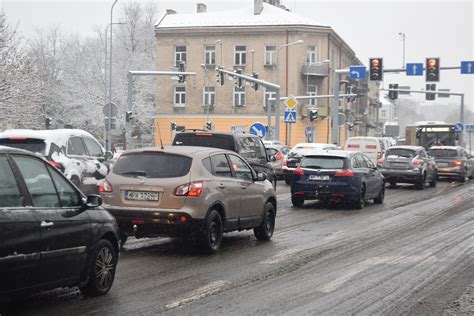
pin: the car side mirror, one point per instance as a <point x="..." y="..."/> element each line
<point x="108" y="155"/>
<point x="93" y="201"/>
<point x="261" y="176"/>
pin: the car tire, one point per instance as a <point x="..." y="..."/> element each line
<point x="360" y="202"/>
<point x="392" y="185"/>
<point x="288" y="180"/>
<point x="462" y="178"/>
<point x="212" y="234"/>
<point x="421" y="184"/>
<point x="101" y="270"/>
<point x="381" y="197"/>
<point x="264" y="231"/>
<point x="433" y="181"/>
<point x="297" y="201"/>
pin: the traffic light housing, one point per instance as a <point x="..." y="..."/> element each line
<point x="173" y="125"/>
<point x="313" y="114"/>
<point x="47" y="122"/>
<point x="376" y="69"/>
<point x="128" y="116"/>
<point x="219" y="76"/>
<point x="432" y="69"/>
<point x="238" y="80"/>
<point x="430" y="96"/>
<point x="209" y="126"/>
<point x="393" y="95"/>
<point x="255" y="85"/>
<point x="181" y="78"/>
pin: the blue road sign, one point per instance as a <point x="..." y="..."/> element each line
<point x="357" y="72"/>
<point x="470" y="128"/>
<point x="414" y="69"/>
<point x="258" y="129"/>
<point x="290" y="117"/>
<point x="467" y="67"/>
<point x="459" y="127"/>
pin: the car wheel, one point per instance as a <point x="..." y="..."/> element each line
<point x="287" y="180"/>
<point x="421" y="183"/>
<point x="433" y="181"/>
<point x="297" y="201"/>
<point x="360" y="202"/>
<point x="462" y="178"/>
<point x="101" y="269"/>
<point x="211" y="238"/>
<point x="265" y="230"/>
<point x="393" y="185"/>
<point x="381" y="197"/>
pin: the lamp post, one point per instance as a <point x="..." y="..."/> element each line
<point x="108" y="145"/>
<point x="252" y="51"/>
<point x="220" y="44"/>
<point x="402" y="37"/>
<point x="206" y="80"/>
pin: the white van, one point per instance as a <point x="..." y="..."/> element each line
<point x="371" y="146"/>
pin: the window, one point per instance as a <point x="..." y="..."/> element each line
<point x="179" y="55"/>
<point x="38" y="181"/>
<point x="240" y="55"/>
<point x="9" y="193"/>
<point x="242" y="171"/>
<point x="220" y="166"/>
<point x="180" y="96"/>
<point x="321" y="162"/>
<point x="239" y="96"/>
<point x="67" y="195"/>
<point x="210" y="54"/>
<point x="209" y="96"/>
<point x="267" y="95"/>
<point x="152" y="165"/>
<point x="93" y="148"/>
<point x="206" y="162"/>
<point x="75" y="146"/>
<point x="383" y="113"/>
<point x="311" y="54"/>
<point x="312" y="90"/>
<point x="270" y="55"/>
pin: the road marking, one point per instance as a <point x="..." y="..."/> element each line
<point x="199" y="293"/>
<point x="281" y="256"/>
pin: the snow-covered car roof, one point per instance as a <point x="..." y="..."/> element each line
<point x="310" y="146"/>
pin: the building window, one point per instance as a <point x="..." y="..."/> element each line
<point x="179" y="96"/>
<point x="312" y="90"/>
<point x="270" y="55"/>
<point x="267" y="95"/>
<point x="240" y="55"/>
<point x="209" y="96"/>
<point x="210" y="54"/>
<point x="180" y="55"/>
<point x="383" y="114"/>
<point x="239" y="96"/>
<point x="311" y="54"/>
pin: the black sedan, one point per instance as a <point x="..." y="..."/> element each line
<point x="337" y="176"/>
<point x="51" y="235"/>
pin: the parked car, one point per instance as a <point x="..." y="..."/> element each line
<point x="51" y="235"/>
<point x="75" y="152"/>
<point x="294" y="157"/>
<point x="409" y="164"/>
<point x="373" y="147"/>
<point x="249" y="146"/>
<point x="277" y="154"/>
<point x="188" y="191"/>
<point x="453" y="162"/>
<point x="337" y="176"/>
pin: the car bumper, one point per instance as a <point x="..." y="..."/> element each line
<point x="403" y="176"/>
<point x="325" y="193"/>
<point x="449" y="172"/>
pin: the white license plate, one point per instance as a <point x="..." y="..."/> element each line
<point x="142" y="196"/>
<point x="318" y="177"/>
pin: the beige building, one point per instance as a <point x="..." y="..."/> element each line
<point x="257" y="38"/>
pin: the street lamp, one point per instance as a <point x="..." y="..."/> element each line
<point x="206" y="80"/>
<point x="252" y="51"/>
<point x="220" y="44"/>
<point x="402" y="37"/>
<point x="108" y="145"/>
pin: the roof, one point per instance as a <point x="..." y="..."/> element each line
<point x="446" y="147"/>
<point x="406" y="147"/>
<point x="43" y="134"/>
<point x="331" y="153"/>
<point x="313" y="145"/>
<point x="179" y="150"/>
<point x="12" y="150"/>
<point x="269" y="16"/>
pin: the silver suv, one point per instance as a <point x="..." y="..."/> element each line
<point x="188" y="191"/>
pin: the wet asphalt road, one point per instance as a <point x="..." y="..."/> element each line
<point x="412" y="255"/>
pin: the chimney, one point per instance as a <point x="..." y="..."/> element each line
<point x="257" y="6"/>
<point x="170" y="11"/>
<point x="201" y="8"/>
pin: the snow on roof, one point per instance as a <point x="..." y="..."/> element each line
<point x="269" y="16"/>
<point x="44" y="134"/>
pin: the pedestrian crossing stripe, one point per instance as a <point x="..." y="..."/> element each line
<point x="290" y="116"/>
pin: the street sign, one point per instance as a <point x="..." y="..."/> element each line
<point x="443" y="95"/>
<point x="404" y="88"/>
<point x="357" y="72"/>
<point x="110" y="107"/>
<point x="459" y="127"/>
<point x="414" y="69"/>
<point x="290" y="117"/>
<point x="467" y="67"/>
<point x="291" y="102"/>
<point x="470" y="128"/>
<point x="258" y="129"/>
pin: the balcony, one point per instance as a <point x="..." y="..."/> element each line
<point x="315" y="69"/>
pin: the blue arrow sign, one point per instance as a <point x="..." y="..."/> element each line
<point x="459" y="127"/>
<point x="470" y="128"/>
<point x="467" y="67"/>
<point x="414" y="69"/>
<point x="290" y="117"/>
<point x="258" y="129"/>
<point x="357" y="72"/>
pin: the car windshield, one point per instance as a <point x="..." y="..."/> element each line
<point x="30" y="144"/>
<point x="320" y="162"/>
<point x="152" y="165"/>
<point x="401" y="152"/>
<point x="445" y="153"/>
<point x="205" y="140"/>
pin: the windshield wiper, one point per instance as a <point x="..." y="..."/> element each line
<point x="139" y="173"/>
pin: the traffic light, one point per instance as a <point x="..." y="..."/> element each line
<point x="376" y="69"/>
<point x="181" y="78"/>
<point x="209" y="126"/>
<point x="432" y="69"/>
<point x="313" y="114"/>
<point x="255" y="85"/>
<point x="393" y="95"/>
<point x="173" y="125"/>
<point x="219" y="75"/>
<point x="128" y="116"/>
<point x="238" y="80"/>
<point x="350" y="126"/>
<point x="430" y="96"/>
<point x="47" y="122"/>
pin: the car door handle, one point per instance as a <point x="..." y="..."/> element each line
<point x="45" y="224"/>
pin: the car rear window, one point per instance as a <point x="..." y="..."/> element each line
<point x="323" y="162"/>
<point x="401" y="152"/>
<point x="30" y="144"/>
<point x="152" y="165"/>
<point x="446" y="153"/>
<point x="205" y="140"/>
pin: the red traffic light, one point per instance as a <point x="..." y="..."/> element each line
<point x="432" y="62"/>
<point x="375" y="63"/>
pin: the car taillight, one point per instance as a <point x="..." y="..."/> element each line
<point x="344" y="173"/>
<point x="417" y="162"/>
<point x="298" y="171"/>
<point x="190" y="189"/>
<point x="353" y="146"/>
<point x="285" y="163"/>
<point x="105" y="187"/>
<point x="55" y="164"/>
<point x="279" y="155"/>
<point x="457" y="163"/>
<point x="370" y="147"/>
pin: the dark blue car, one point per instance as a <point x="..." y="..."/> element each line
<point x="337" y="176"/>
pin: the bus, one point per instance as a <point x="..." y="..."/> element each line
<point x="429" y="134"/>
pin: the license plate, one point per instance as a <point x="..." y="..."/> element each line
<point x="141" y="196"/>
<point x="319" y="177"/>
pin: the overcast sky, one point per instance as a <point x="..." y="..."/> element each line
<point x="442" y="29"/>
